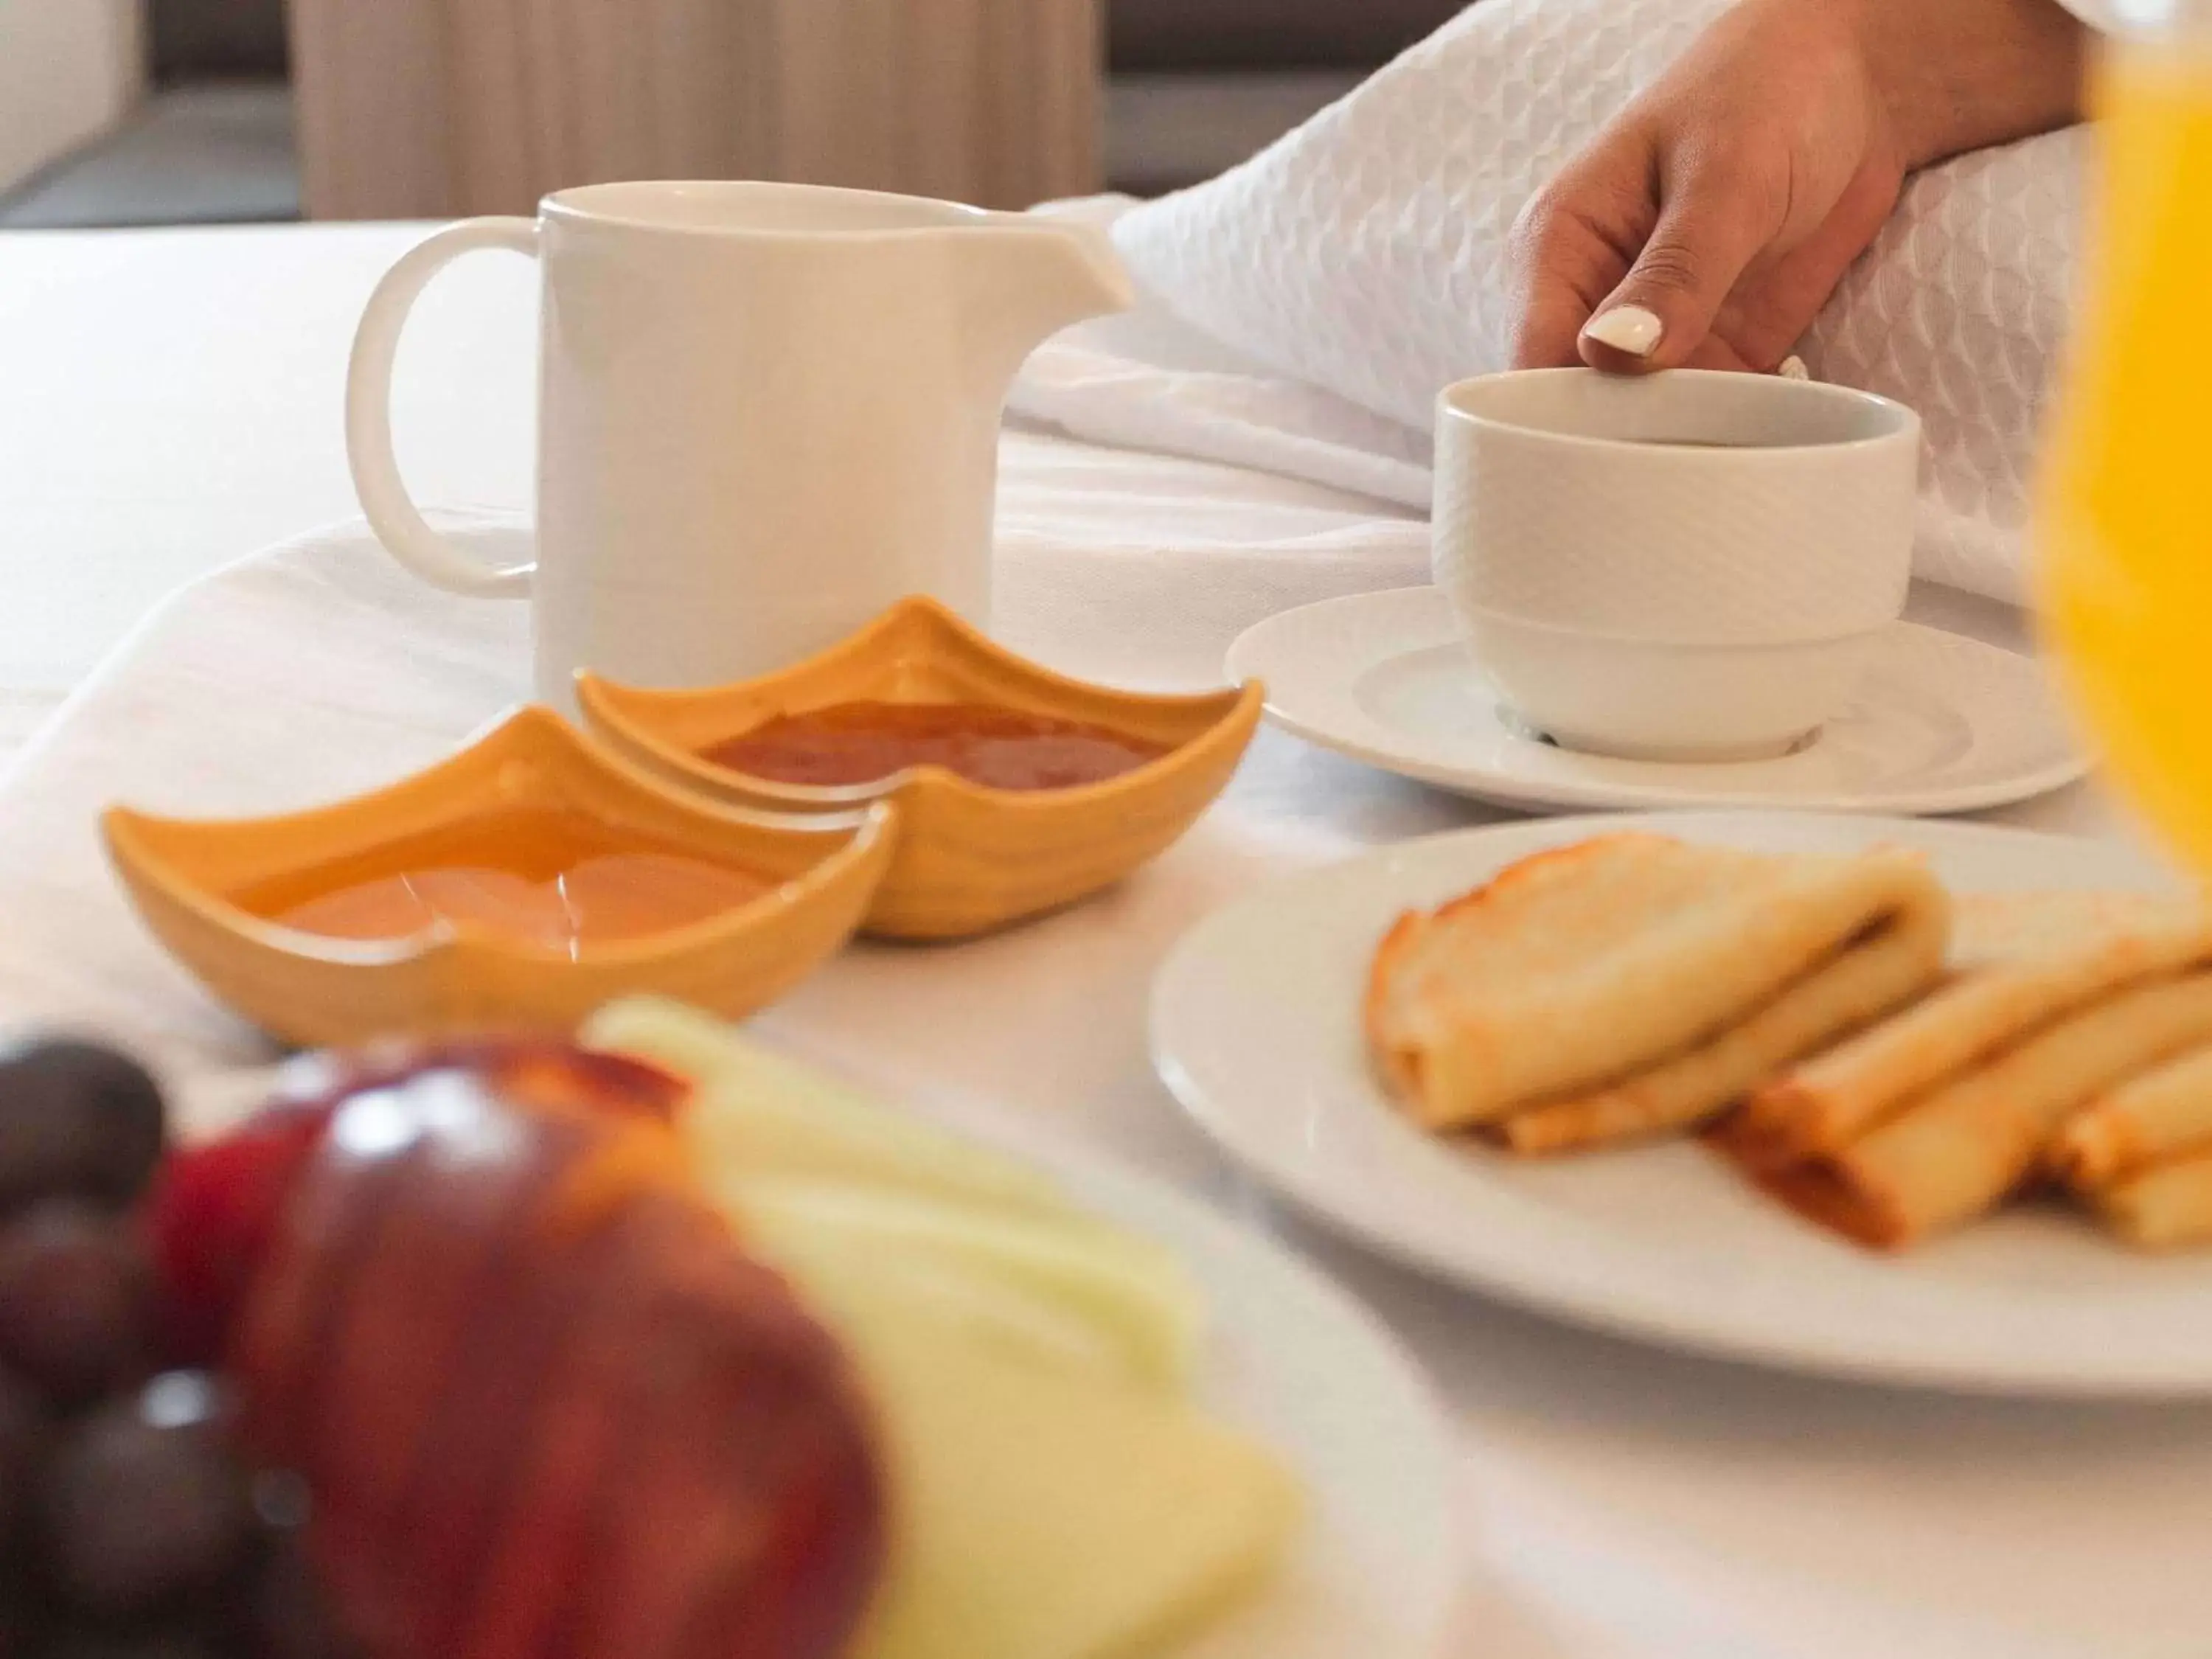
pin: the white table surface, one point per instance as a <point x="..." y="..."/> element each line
<point x="169" y="401"/>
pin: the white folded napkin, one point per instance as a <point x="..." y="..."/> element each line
<point x="1341" y="278"/>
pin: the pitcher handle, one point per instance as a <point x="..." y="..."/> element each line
<point x="399" y="523"/>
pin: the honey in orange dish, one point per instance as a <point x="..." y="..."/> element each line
<point x="556" y="881"/>
<point x="853" y="743"/>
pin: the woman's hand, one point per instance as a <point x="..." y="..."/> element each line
<point x="1708" y="224"/>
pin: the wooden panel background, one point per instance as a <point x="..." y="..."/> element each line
<point x="429" y="108"/>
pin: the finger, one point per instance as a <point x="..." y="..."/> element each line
<point x="1714" y="224"/>
<point x="1714" y="351"/>
<point x="1572" y="245"/>
<point x="1552" y="320"/>
<point x="1773" y="307"/>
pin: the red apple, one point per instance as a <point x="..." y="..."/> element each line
<point x="546" y="1405"/>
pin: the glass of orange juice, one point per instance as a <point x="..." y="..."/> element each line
<point x="2125" y="529"/>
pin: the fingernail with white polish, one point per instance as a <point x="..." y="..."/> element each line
<point x="1631" y="329"/>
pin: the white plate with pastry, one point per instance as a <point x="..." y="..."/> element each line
<point x="1941" y="723"/>
<point x="1702" y="1080"/>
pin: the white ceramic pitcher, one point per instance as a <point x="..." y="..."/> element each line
<point x="765" y="413"/>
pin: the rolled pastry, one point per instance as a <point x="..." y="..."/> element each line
<point x="1959" y="1150"/>
<point x="1580" y="973"/>
<point x="1997" y="929"/>
<point x="1863" y="984"/>
<point x="2150" y="1120"/>
<point x="2163" y="1208"/>
<point x="1828" y="1103"/>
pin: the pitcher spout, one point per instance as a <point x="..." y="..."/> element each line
<point x="1026" y="279"/>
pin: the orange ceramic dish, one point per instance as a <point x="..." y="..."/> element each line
<point x="206" y="888"/>
<point x="970" y="857"/>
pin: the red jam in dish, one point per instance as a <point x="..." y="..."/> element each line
<point x="557" y="881"/>
<point x="851" y="743"/>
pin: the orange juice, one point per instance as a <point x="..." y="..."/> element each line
<point x="2125" y="521"/>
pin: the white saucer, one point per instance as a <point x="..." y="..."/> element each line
<point x="1943" y="724"/>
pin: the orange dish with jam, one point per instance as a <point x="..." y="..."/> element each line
<point x="1019" y="790"/>
<point x="518" y="884"/>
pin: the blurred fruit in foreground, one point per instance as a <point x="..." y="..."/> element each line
<point x="1061" y="1495"/>
<point x="75" y="1301"/>
<point x="125" y="1532"/>
<point x="141" y="1503"/>
<point x="289" y="1611"/>
<point x="91" y="1642"/>
<point x="214" y="1210"/>
<point x="514" y="1390"/>
<point x="21" y="1417"/>
<point x="541" y="1399"/>
<point x="78" y="1122"/>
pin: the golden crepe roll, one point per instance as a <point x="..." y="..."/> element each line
<point x="1957" y="1151"/>
<point x="2163" y="1208"/>
<point x="1829" y="1102"/>
<point x="1635" y="983"/>
<point x="2150" y="1120"/>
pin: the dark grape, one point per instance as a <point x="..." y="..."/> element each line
<point x="75" y="1301"/>
<point x="17" y="1613"/>
<point x="128" y="1528"/>
<point x="292" y="1616"/>
<point x="91" y="1642"/>
<point x="21" y="1419"/>
<point x="141" y="1503"/>
<point x="76" y="1120"/>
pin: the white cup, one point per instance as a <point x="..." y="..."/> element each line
<point x="1688" y="566"/>
<point x="766" y="412"/>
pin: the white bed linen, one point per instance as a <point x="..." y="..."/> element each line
<point x="1143" y="568"/>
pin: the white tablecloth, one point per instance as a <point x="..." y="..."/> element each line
<point x="1622" y="1502"/>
